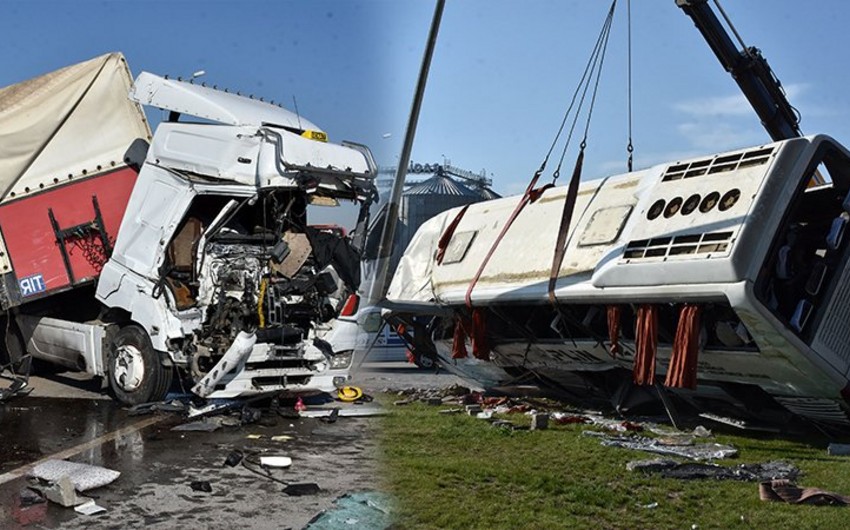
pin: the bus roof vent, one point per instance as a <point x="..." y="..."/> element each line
<point x="718" y="164"/>
<point x="703" y="245"/>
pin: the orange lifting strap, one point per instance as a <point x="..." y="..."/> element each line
<point x="646" y="344"/>
<point x="682" y="372"/>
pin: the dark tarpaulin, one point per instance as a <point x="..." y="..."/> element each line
<point x="331" y="249"/>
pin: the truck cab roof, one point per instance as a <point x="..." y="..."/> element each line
<point x="213" y="104"/>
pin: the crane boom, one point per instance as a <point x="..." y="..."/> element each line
<point x="750" y="70"/>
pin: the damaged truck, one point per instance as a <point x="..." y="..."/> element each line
<point x="185" y="254"/>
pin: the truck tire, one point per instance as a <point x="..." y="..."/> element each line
<point x="136" y="374"/>
<point x="13" y="352"/>
<point x="424" y="362"/>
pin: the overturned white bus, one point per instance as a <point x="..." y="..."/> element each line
<point x="744" y="238"/>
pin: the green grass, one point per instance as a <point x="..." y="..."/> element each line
<point x="455" y="471"/>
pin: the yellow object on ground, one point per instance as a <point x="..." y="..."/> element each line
<point x="349" y="393"/>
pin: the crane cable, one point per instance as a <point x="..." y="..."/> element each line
<point x="630" y="149"/>
<point x="598" y="60"/>
<point x="532" y="193"/>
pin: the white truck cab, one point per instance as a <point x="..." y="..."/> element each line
<point x="192" y="256"/>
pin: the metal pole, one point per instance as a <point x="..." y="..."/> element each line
<point x="385" y="250"/>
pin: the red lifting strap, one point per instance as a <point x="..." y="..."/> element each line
<point x="646" y="344"/>
<point x="682" y="372"/>
<point x="563" y="230"/>
<point x="480" y="347"/>
<point x="477" y="330"/>
<point x="443" y="243"/>
<point x="613" y="312"/>
<point x="459" y="340"/>
<point x="531" y="195"/>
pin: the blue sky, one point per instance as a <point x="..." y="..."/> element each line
<point x="502" y="74"/>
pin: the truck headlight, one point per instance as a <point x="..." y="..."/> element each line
<point x="341" y="360"/>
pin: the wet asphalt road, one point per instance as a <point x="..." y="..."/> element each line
<point x="157" y="464"/>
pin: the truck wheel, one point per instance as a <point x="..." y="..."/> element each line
<point x="424" y="362"/>
<point x="136" y="374"/>
<point x="13" y="352"/>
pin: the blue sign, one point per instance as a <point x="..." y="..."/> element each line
<point x="32" y="285"/>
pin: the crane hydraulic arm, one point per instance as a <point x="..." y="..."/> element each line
<point x="750" y="70"/>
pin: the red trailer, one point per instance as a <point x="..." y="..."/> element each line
<point x="66" y="175"/>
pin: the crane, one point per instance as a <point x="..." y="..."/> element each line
<point x="750" y="71"/>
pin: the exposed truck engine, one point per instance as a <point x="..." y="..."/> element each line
<point x="141" y="258"/>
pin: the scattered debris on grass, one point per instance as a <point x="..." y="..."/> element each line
<point x="835" y="449"/>
<point x="539" y="422"/>
<point x="698" y="452"/>
<point x="668" y="468"/>
<point x="787" y="491"/>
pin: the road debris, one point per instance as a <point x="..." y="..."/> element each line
<point x="332" y="417"/>
<point x="30" y="508"/>
<point x="367" y="509"/>
<point x="301" y="489"/>
<point x="275" y="461"/>
<point x="171" y="406"/>
<point x="30" y="497"/>
<point x="82" y="476"/>
<point x="18" y="387"/>
<point x="353" y="412"/>
<point x="349" y="394"/>
<point x="212" y="406"/>
<point x="201" y="485"/>
<point x="204" y="425"/>
<point x="233" y="458"/>
<point x="89" y="508"/>
<point x="62" y="492"/>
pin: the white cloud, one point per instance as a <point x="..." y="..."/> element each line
<point x="714" y="136"/>
<point x="734" y="105"/>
